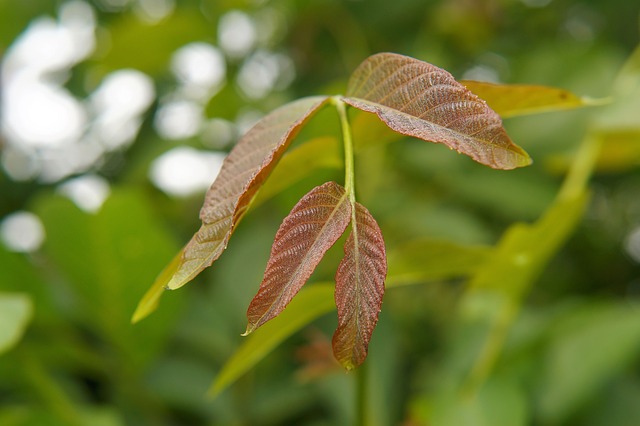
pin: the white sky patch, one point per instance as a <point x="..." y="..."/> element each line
<point x="179" y="120"/>
<point x="184" y="171"/>
<point x="43" y="123"/>
<point x="219" y="133"/>
<point x="153" y="11"/>
<point x="200" y="67"/>
<point x="41" y="114"/>
<point x="22" y="231"/>
<point x="88" y="192"/>
<point x="236" y="33"/>
<point x="263" y="72"/>
<point x="118" y="103"/>
<point x="124" y="93"/>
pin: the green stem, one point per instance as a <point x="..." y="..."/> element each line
<point x="349" y="176"/>
<point x="362" y="395"/>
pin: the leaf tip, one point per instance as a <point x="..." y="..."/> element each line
<point x="250" y="329"/>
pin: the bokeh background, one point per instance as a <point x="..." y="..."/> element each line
<point x="115" y="118"/>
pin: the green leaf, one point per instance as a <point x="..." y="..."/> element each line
<point x="107" y="258"/>
<point x="433" y="260"/>
<point x="312" y="302"/>
<point x="497" y="403"/>
<point x="243" y="172"/>
<point x="16" y="311"/>
<point x="300" y="162"/>
<point x="417" y="99"/>
<point x="510" y="100"/>
<point x="151" y="298"/>
<point x="588" y="347"/>
<point x="312" y="227"/>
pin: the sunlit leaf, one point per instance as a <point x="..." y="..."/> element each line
<point x="422" y="260"/>
<point x="151" y="298"/>
<point x="15" y="312"/>
<point x="510" y="100"/>
<point x="318" y="153"/>
<point x="359" y="289"/>
<point x="312" y="302"/>
<point x="418" y="99"/>
<point x="312" y="227"/>
<point x="242" y="173"/>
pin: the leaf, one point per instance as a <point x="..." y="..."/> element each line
<point x="575" y="371"/>
<point x="151" y="298"/>
<point x="309" y="304"/>
<point x="105" y="259"/>
<point x="359" y="289"/>
<point x="432" y="260"/>
<point x="16" y="310"/>
<point x="312" y="227"/>
<point x="321" y="152"/>
<point x="418" y="99"/>
<point x="243" y="171"/>
<point x="510" y="100"/>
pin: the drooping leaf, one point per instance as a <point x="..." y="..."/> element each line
<point x="309" y="304"/>
<point x="243" y="171"/>
<point x="16" y="310"/>
<point x="359" y="289"/>
<point x="312" y="227"/>
<point x="418" y="99"/>
<point x="510" y="100"/>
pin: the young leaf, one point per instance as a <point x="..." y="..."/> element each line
<point x="359" y="289"/>
<point x="312" y="227"/>
<point x="418" y="99"/>
<point x="243" y="171"/>
<point x="510" y="100"/>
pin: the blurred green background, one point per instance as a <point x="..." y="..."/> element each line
<point x="116" y="115"/>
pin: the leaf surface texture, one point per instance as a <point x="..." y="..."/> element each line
<point x="359" y="289"/>
<point x="243" y="171"/>
<point x="312" y="227"/>
<point x="418" y="99"/>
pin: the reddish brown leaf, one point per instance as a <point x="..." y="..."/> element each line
<point x="418" y="99"/>
<point x="359" y="289"/>
<point x="312" y="227"/>
<point x="244" y="170"/>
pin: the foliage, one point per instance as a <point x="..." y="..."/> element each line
<point x="510" y="297"/>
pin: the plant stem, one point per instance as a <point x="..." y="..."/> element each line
<point x="349" y="176"/>
<point x="362" y="395"/>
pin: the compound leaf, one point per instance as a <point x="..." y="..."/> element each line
<point x="418" y="99"/>
<point x="312" y="227"/>
<point x="244" y="170"/>
<point x="359" y="289"/>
